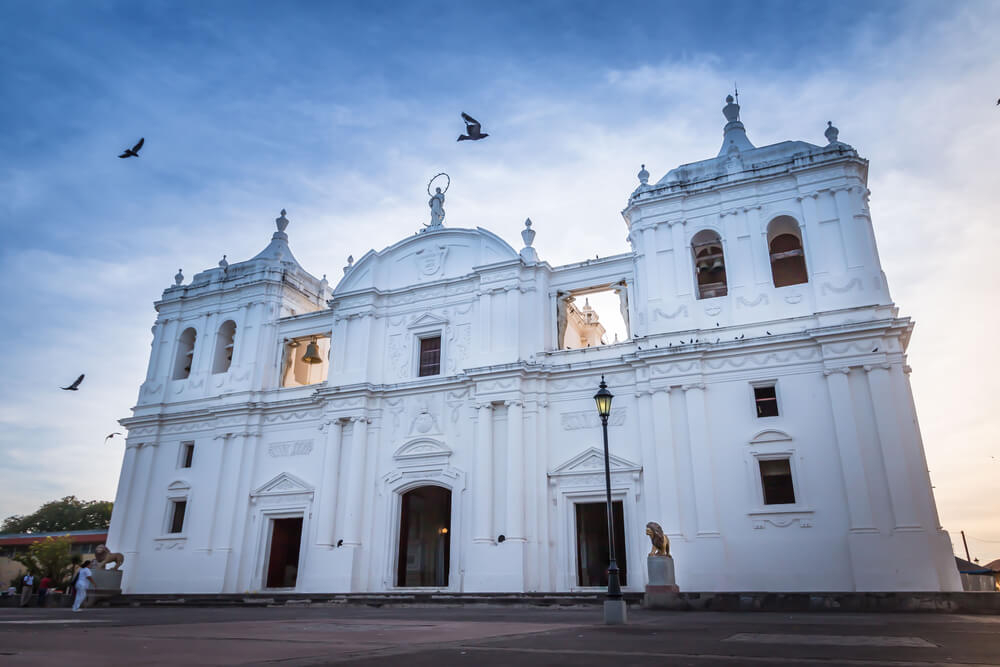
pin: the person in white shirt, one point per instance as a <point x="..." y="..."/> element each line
<point x="28" y="583"/>
<point x="84" y="581"/>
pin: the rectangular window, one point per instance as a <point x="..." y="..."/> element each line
<point x="187" y="454"/>
<point x="177" y="516"/>
<point x="767" y="401"/>
<point x="776" y="481"/>
<point x="430" y="356"/>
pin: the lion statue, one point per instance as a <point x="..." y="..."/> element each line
<point x="103" y="556"/>
<point x="661" y="545"/>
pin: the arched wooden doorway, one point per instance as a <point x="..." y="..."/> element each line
<point x="424" y="537"/>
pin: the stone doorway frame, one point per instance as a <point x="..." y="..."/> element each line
<point x="422" y="462"/>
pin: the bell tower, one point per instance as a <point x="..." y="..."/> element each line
<point x="216" y="334"/>
<point x="755" y="235"/>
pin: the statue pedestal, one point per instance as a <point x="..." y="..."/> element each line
<point x="661" y="591"/>
<point x="107" y="583"/>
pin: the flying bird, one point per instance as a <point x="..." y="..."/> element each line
<point x="340" y="543"/>
<point x="75" y="386"/>
<point x="134" y="151"/>
<point x="472" y="128"/>
<point x="109" y="436"/>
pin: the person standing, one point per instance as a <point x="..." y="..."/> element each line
<point x="43" y="588"/>
<point x="27" y="584"/>
<point x="84" y="581"/>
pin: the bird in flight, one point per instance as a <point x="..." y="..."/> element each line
<point x="134" y="151"/>
<point x="473" y="129"/>
<point x="110" y="435"/>
<point x="75" y="386"/>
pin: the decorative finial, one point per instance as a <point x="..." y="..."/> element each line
<point x="643" y="176"/>
<point x="179" y="278"/>
<point x="324" y="285"/>
<point x="527" y="234"/>
<point x="528" y="254"/>
<point x="831" y="133"/>
<point x="734" y="135"/>
<point x="223" y="264"/>
<point x="282" y="221"/>
<point x="350" y="263"/>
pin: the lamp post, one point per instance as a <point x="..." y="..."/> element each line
<point x="614" y="605"/>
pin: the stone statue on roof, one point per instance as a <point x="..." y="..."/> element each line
<point x="437" y="208"/>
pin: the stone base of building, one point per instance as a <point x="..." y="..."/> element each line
<point x="948" y="603"/>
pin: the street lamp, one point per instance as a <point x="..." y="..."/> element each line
<point x="614" y="606"/>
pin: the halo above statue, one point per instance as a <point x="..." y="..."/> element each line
<point x="447" y="183"/>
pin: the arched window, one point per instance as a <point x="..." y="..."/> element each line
<point x="788" y="261"/>
<point x="185" y="354"/>
<point x="709" y="264"/>
<point x="224" y="347"/>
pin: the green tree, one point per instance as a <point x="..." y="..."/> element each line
<point x="66" y="514"/>
<point x="50" y="557"/>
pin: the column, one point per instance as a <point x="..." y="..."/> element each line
<point x="515" y="471"/>
<point x="243" y="327"/>
<point x="354" y="496"/>
<point x="911" y="433"/>
<point x="683" y="266"/>
<point x="202" y="507"/>
<point x="327" y="505"/>
<point x="225" y="489"/>
<point x="666" y="468"/>
<point x="485" y="326"/>
<point x="739" y="252"/>
<point x="482" y="498"/>
<point x="651" y="478"/>
<point x="758" y="247"/>
<point x="893" y="454"/>
<point x="204" y="345"/>
<point x="849" y="448"/>
<point x="653" y="286"/>
<point x="854" y="240"/>
<point x="809" y="227"/>
<point x="154" y="349"/>
<point x="540" y="485"/>
<point x="122" y="497"/>
<point x="138" y="501"/>
<point x="234" y="511"/>
<point x="701" y="459"/>
<point x="165" y="355"/>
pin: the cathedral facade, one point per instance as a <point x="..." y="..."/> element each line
<point x="428" y="423"/>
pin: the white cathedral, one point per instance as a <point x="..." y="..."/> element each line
<point x="428" y="423"/>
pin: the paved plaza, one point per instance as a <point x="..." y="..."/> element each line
<point x="482" y="636"/>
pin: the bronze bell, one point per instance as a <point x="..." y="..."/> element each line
<point x="312" y="353"/>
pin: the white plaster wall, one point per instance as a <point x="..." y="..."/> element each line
<point x="509" y="425"/>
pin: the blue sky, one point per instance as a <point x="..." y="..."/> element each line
<point x="341" y="112"/>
